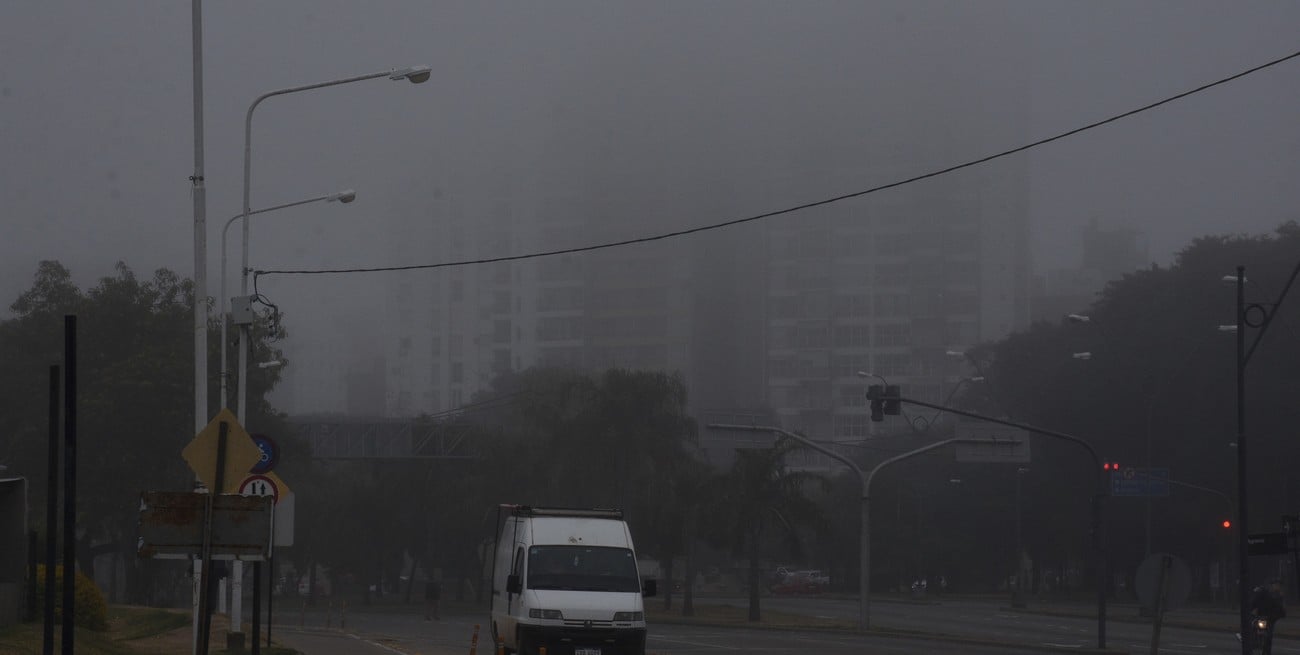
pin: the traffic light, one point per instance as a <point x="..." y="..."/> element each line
<point x="1227" y="524"/>
<point x="1110" y="466"/>
<point x="893" y="406"/>
<point x="874" y="393"/>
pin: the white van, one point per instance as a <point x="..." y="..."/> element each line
<point x="567" y="579"/>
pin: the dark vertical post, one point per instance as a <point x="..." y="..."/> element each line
<point x="1099" y="545"/>
<point x="205" y="582"/>
<point x="31" y="576"/>
<point x="1243" y="559"/>
<point x="270" y="592"/>
<point x="51" y="512"/>
<point x="257" y="608"/>
<point x="69" y="479"/>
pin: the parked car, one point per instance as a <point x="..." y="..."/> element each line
<point x="802" y="582"/>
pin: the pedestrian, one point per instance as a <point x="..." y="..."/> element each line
<point x="432" y="594"/>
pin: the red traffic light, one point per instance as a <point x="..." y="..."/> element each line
<point x="1227" y="524"/>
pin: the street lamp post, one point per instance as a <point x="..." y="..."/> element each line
<point x="1017" y="596"/>
<point x="1243" y="560"/>
<point x="346" y="196"/>
<point x="414" y="75"/>
<point x="864" y="530"/>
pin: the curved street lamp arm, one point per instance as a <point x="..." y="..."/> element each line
<point x="1096" y="460"/>
<point x="801" y="439"/>
<point x="1098" y="540"/>
<point x="1268" y="317"/>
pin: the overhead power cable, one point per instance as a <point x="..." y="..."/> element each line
<point x="796" y="208"/>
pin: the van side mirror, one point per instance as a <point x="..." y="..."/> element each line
<point x="649" y="588"/>
<point x="513" y="584"/>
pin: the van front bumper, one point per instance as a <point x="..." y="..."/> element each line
<point x="561" y="640"/>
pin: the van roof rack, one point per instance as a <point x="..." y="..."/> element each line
<point x="600" y="513"/>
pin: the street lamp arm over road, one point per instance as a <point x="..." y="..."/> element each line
<point x="1096" y="499"/>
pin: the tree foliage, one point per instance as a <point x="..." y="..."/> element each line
<point x="135" y="392"/>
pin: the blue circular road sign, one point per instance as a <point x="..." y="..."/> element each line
<point x="270" y="453"/>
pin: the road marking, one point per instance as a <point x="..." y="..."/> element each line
<point x="1048" y="643"/>
<point x="373" y="643"/>
<point x="692" y="643"/>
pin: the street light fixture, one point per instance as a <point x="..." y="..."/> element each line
<point x="345" y="196"/>
<point x="413" y="74"/>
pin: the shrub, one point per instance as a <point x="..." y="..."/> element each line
<point x="89" y="607"/>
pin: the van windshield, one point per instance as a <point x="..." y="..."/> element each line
<point x="582" y="568"/>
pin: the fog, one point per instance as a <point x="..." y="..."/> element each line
<point x="693" y="110"/>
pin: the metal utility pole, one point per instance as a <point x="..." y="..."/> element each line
<point x="864" y="530"/>
<point x="1243" y="559"/>
<point x="199" y="195"/>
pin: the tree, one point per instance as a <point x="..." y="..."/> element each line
<point x="1161" y="380"/>
<point x="135" y="392"/>
<point x="760" y="498"/>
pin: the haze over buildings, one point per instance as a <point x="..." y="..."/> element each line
<point x="566" y="124"/>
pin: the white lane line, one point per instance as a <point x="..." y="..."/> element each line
<point x="1048" y="643"/>
<point x="373" y="643"/>
<point x="693" y="643"/>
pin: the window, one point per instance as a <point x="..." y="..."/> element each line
<point x="852" y="305"/>
<point x="852" y="336"/>
<point x="847" y="366"/>
<point x="891" y="304"/>
<point x="559" y="299"/>
<point x="501" y="331"/>
<point x="888" y="365"/>
<point x="582" y="568"/>
<point x="893" y="334"/>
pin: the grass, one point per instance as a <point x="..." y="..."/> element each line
<point x="131" y="631"/>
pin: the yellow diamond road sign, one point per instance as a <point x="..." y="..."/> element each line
<point x="241" y="453"/>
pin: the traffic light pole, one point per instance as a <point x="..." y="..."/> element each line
<point x="1243" y="559"/>
<point x="889" y="395"/>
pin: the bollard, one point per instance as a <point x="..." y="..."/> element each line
<point x="501" y="647"/>
<point x="473" y="642"/>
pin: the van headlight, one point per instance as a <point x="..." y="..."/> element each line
<point x="545" y="614"/>
<point x="621" y="617"/>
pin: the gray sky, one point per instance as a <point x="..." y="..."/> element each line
<point x="96" y="116"/>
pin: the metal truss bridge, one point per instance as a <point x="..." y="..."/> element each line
<point x="358" y="438"/>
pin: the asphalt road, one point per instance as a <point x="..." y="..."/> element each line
<point x="975" y="621"/>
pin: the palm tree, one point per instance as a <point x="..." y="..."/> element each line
<point x="760" y="498"/>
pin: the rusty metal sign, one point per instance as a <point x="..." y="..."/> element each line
<point x="171" y="525"/>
